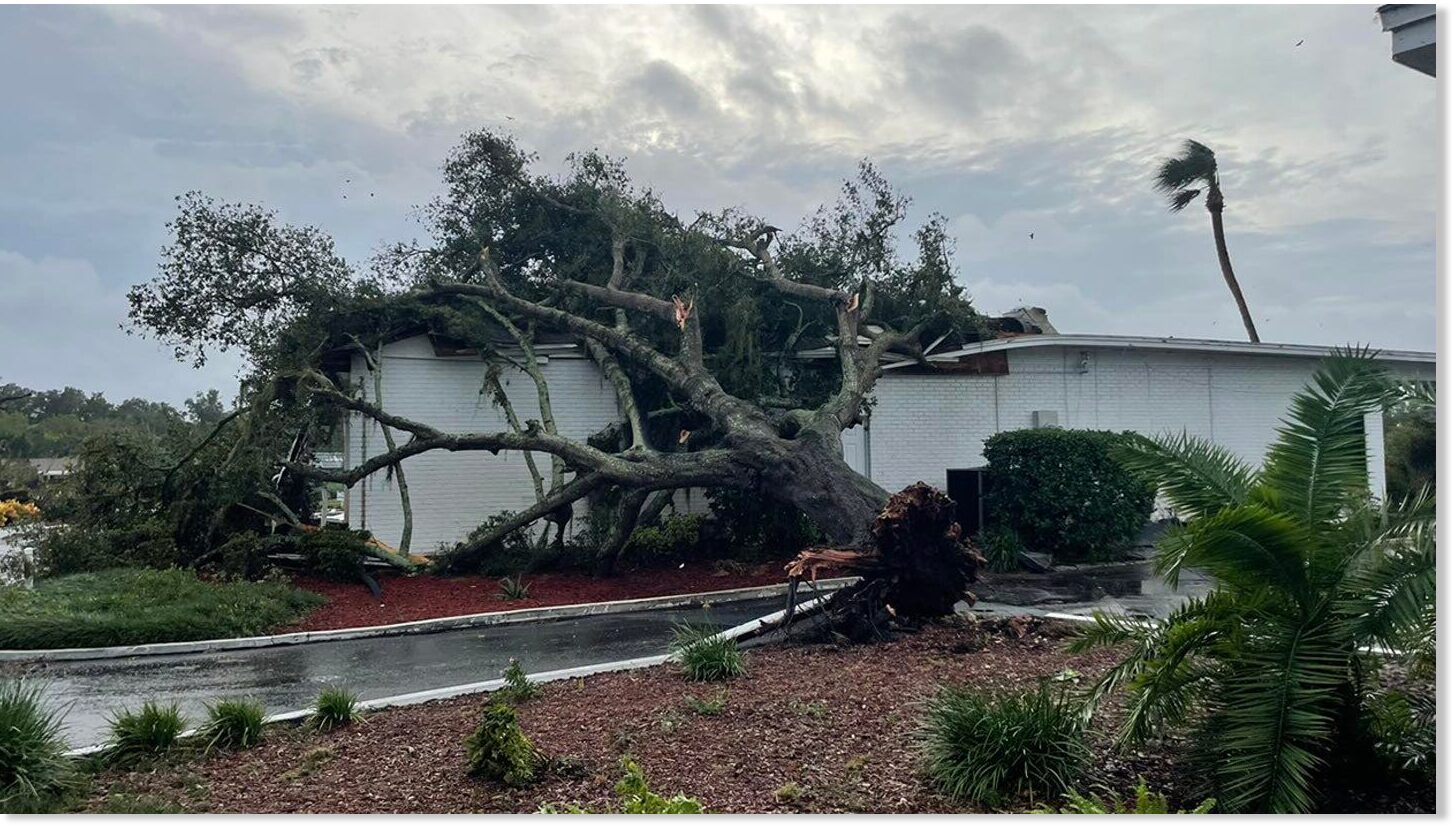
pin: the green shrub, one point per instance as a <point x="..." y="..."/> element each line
<point x="143" y="606"/>
<point x="151" y="731"/>
<point x="636" y="797"/>
<point x="34" y="769"/>
<point x="750" y="525"/>
<point x="983" y="748"/>
<point x="1061" y="493"/>
<point x="335" y="554"/>
<point x="707" y="656"/>
<point x="499" y="750"/>
<point x="514" y="589"/>
<point x="1000" y="548"/>
<point x="234" y="724"/>
<point x="68" y="550"/>
<point x="1142" y="801"/>
<point x="673" y="538"/>
<point x="334" y="708"/>
<point x="518" y="687"/>
<point x="244" y="555"/>
<point x="508" y="556"/>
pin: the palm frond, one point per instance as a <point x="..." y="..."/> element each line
<point x="1275" y="711"/>
<point x="1388" y="593"/>
<point x="1319" y="462"/>
<point x="1178" y="200"/>
<point x="1158" y="662"/>
<point x="1196" y="164"/>
<point x="1248" y="548"/>
<point x="1195" y="475"/>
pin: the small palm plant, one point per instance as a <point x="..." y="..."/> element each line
<point x="514" y="588"/>
<point x="1310" y="575"/>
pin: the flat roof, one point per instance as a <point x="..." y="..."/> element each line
<point x="1157" y="343"/>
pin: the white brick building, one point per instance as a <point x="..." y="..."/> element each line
<point x="923" y="426"/>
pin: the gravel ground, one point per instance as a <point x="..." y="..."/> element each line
<point x="810" y="728"/>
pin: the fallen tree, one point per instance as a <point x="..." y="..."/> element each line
<point x="684" y="320"/>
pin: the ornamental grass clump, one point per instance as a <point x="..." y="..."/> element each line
<point x="234" y="723"/>
<point x="498" y="750"/>
<point x="985" y="748"/>
<point x="705" y="655"/>
<point x="335" y="707"/>
<point x="34" y="769"/>
<point x="153" y="730"/>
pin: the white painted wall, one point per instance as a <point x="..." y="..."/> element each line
<point x="451" y="493"/>
<point x="921" y="425"/>
<point x="925" y="425"/>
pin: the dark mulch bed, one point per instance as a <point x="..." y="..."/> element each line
<point x="420" y="597"/>
<point x="835" y="722"/>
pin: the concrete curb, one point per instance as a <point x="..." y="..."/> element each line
<point x="431" y="625"/>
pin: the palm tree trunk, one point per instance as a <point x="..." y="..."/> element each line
<point x="1215" y="208"/>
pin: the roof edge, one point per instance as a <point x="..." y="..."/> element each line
<point x="1156" y="343"/>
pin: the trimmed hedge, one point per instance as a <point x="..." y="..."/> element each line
<point x="1059" y="492"/>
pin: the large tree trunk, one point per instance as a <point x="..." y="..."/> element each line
<point x="812" y="475"/>
<point x="1214" y="206"/>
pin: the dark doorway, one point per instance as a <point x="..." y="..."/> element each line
<point x="966" y="489"/>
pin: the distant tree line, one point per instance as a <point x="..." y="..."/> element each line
<point x="57" y="423"/>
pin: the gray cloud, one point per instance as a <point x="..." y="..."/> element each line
<point x="1006" y="120"/>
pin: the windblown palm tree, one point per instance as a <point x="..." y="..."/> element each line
<point x="1197" y="165"/>
<point x="1311" y="577"/>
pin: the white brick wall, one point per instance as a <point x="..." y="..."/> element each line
<point x="925" y="425"/>
<point x="452" y="493"/>
<point x="921" y="425"/>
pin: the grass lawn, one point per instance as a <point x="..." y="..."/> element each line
<point x="143" y="606"/>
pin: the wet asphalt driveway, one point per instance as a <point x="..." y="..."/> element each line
<point x="287" y="678"/>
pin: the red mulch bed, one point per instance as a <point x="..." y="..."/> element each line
<point x="420" y="597"/>
<point x="812" y="728"/>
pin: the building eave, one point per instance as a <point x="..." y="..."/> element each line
<point x="1152" y="343"/>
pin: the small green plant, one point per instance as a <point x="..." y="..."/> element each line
<point x="514" y="588"/>
<point x="234" y="723"/>
<point x="151" y="731"/>
<point x="33" y="766"/>
<point x="636" y="797"/>
<point x="707" y="656"/>
<point x="499" y="750"/>
<point x="123" y="803"/>
<point x="788" y="792"/>
<point x="1000" y="548"/>
<point x="1143" y="801"/>
<point x="984" y="748"/>
<point x="812" y="710"/>
<point x="518" y="686"/>
<point x="713" y="706"/>
<point x="312" y="761"/>
<point x="334" y="708"/>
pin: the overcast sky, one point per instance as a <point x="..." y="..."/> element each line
<point x="1006" y="120"/>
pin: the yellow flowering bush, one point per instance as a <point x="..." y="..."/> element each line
<point x="13" y="511"/>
